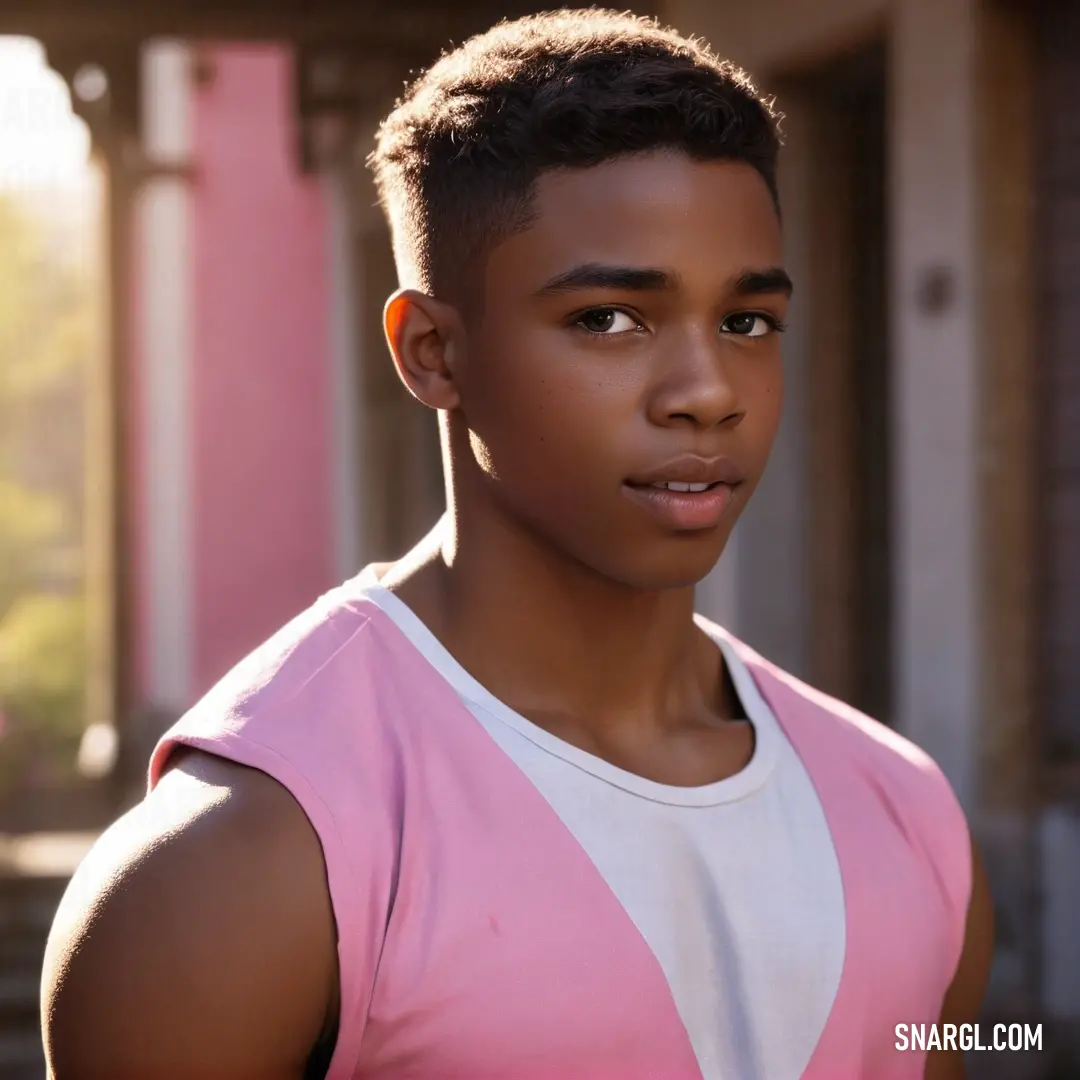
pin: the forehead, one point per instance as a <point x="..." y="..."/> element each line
<point x="707" y="221"/>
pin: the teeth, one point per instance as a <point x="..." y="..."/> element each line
<point x="674" y="485"/>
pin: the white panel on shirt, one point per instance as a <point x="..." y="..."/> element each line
<point x="735" y="886"/>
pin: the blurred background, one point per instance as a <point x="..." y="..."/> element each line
<point x="200" y="430"/>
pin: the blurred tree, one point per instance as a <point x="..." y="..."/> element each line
<point x="45" y="324"/>
<point x="30" y="523"/>
<point x="46" y="338"/>
<point x="42" y="672"/>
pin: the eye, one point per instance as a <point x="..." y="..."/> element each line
<point x="751" y="324"/>
<point x="607" y="321"/>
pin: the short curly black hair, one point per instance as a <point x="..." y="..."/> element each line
<point x="456" y="160"/>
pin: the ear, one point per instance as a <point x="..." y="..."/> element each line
<point x="423" y="333"/>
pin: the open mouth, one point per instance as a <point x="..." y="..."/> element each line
<point x="675" y="485"/>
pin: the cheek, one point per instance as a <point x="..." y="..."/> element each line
<point x="552" y="403"/>
<point x="773" y="396"/>
<point x="766" y="394"/>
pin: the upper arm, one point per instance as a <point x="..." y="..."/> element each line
<point x="965" y="994"/>
<point x="196" y="940"/>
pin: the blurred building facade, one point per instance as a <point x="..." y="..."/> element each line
<point x="910" y="547"/>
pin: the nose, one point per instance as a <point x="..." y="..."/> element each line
<point x="693" y="386"/>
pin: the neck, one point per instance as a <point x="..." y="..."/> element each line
<point x="550" y="636"/>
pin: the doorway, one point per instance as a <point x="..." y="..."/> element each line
<point x="848" y="420"/>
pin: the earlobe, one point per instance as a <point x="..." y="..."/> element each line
<point x="421" y="332"/>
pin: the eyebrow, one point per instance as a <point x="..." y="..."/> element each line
<point x="647" y="279"/>
<point x="600" y="276"/>
<point x="762" y="282"/>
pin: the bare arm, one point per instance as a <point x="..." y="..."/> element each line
<point x="964" y="997"/>
<point x="196" y="940"/>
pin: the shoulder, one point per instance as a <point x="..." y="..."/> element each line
<point x="197" y="938"/>
<point x="343" y="645"/>
<point x="311" y="649"/>
<point x="305" y="706"/>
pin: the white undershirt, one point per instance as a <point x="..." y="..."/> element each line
<point x="734" y="885"/>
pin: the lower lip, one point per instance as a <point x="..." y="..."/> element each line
<point x="684" y="510"/>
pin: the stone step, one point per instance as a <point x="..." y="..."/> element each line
<point x="34" y="872"/>
<point x="28" y="904"/>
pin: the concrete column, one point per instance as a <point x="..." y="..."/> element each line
<point x="163" y="306"/>
<point x="368" y="422"/>
<point x="936" y="385"/>
<point x="344" y="280"/>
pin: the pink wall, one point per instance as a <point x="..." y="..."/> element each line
<point x="261" y="497"/>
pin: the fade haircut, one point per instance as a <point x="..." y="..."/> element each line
<point x="457" y="159"/>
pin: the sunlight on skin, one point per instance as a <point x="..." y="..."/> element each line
<point x="43" y="145"/>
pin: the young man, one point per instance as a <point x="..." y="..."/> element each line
<point x="504" y="810"/>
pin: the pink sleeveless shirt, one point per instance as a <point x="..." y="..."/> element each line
<point x="510" y="908"/>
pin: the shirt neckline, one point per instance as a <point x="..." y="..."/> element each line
<point x="767" y="734"/>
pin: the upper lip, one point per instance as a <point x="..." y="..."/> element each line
<point x="691" y="469"/>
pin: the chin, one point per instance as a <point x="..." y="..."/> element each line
<point x="681" y="563"/>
